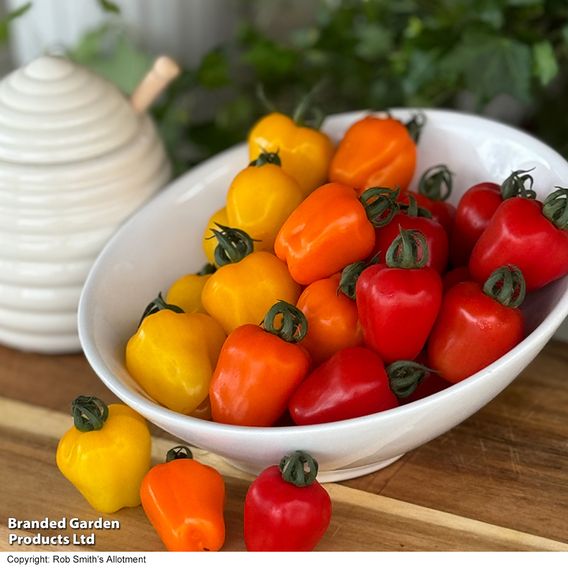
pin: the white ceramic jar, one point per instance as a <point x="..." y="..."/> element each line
<point x="76" y="159"/>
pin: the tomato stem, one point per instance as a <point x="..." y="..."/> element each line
<point x="408" y="250"/>
<point x="507" y="286"/>
<point x="207" y="269"/>
<point x="263" y="98"/>
<point x="405" y="376"/>
<point x="412" y="209"/>
<point x="555" y="208"/>
<point x="305" y="105"/>
<point x="299" y="468"/>
<point x="292" y="324"/>
<point x="158" y="304"/>
<point x="233" y="245"/>
<point x="350" y="274"/>
<point x="380" y="204"/>
<point x="415" y="126"/>
<point x="179" y="453"/>
<point x="89" y="413"/>
<point x="266" y="158"/>
<point x="436" y="183"/>
<point x="516" y="185"/>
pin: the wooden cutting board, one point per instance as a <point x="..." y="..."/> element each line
<point x="497" y="482"/>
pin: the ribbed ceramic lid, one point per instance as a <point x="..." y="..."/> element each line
<point x="54" y="111"/>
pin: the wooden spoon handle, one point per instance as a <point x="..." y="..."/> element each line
<point x="156" y="80"/>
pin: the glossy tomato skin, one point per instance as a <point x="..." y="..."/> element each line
<point x="442" y="211"/>
<point x="351" y="383"/>
<point x="431" y="384"/>
<point x="327" y="231"/>
<point x="397" y="309"/>
<point x="374" y="152"/>
<point x="455" y="276"/>
<point x="435" y="234"/>
<point x="280" y="517"/>
<point x="472" y="331"/>
<point x="333" y="322"/>
<point x="521" y="235"/>
<point x="475" y="209"/>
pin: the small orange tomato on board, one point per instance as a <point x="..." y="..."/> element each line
<point x="184" y="501"/>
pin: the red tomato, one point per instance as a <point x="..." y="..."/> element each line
<point x="521" y="233"/>
<point x="441" y="211"/>
<point x="352" y="383"/>
<point x="436" y="238"/>
<point x="454" y="276"/>
<point x="434" y="188"/>
<point x="398" y="301"/>
<point x="431" y="384"/>
<point x="286" y="509"/>
<point x="477" y="325"/>
<point x="476" y="208"/>
<point x="473" y="214"/>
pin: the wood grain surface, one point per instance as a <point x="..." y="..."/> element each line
<point x="497" y="482"/>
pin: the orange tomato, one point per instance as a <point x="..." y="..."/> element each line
<point x="333" y="322"/>
<point x="258" y="370"/>
<point x="375" y="152"/>
<point x="327" y="231"/>
<point x="184" y="501"/>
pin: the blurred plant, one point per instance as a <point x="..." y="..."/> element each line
<point x="10" y="17"/>
<point x="378" y="54"/>
<point x="371" y="54"/>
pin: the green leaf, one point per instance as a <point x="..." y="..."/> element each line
<point x="422" y="70"/>
<point x="373" y="41"/>
<point x="109" y="6"/>
<point x="10" y="17"/>
<point x="565" y="34"/>
<point x="236" y="114"/>
<point x="92" y="44"/>
<point x="112" y="54"/>
<point x="270" y="60"/>
<point x="545" y="63"/>
<point x="492" y="65"/>
<point x="304" y="38"/>
<point x="525" y="2"/>
<point x="213" y="72"/>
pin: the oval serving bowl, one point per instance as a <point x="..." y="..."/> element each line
<point x="162" y="241"/>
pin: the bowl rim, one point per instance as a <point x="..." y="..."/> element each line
<point x="543" y="332"/>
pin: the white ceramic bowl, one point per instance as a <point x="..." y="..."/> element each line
<point x="163" y="241"/>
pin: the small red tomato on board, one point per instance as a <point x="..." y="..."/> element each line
<point x="477" y="325"/>
<point x="412" y="217"/>
<point x="398" y="301"/>
<point x="434" y="189"/>
<point x="286" y="509"/>
<point x="351" y="383"/>
<point x="476" y="208"/>
<point x="528" y="234"/>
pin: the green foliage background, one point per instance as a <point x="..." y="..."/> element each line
<point x="371" y="54"/>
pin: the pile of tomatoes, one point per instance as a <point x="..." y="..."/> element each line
<point x="334" y="291"/>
